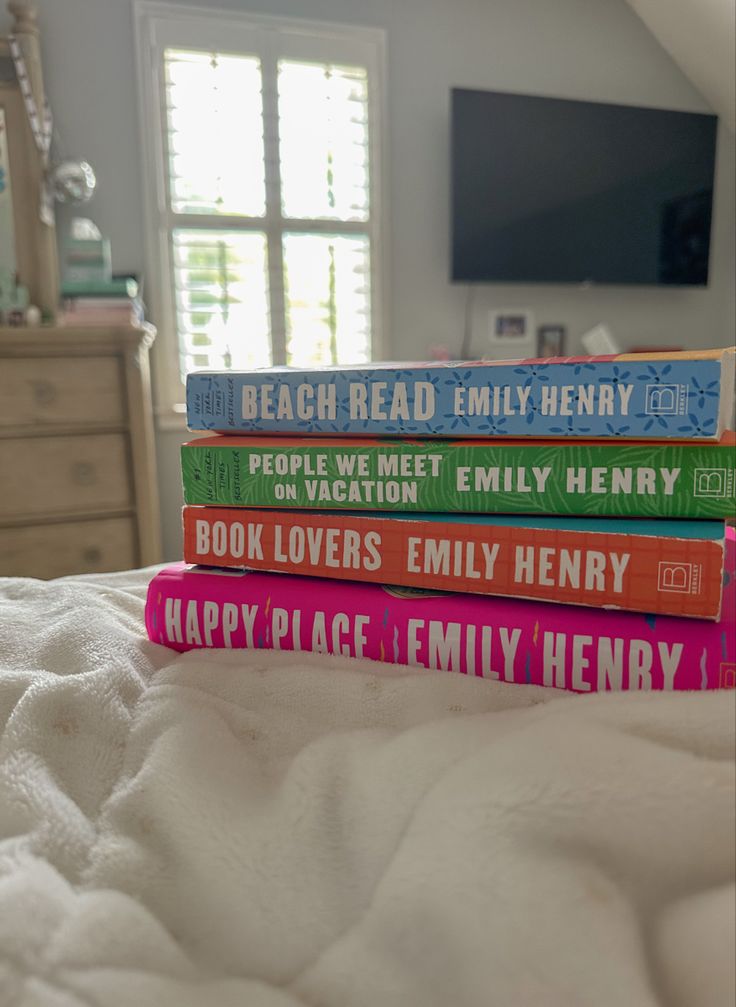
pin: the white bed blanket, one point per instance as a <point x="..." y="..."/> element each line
<point x="273" y="830"/>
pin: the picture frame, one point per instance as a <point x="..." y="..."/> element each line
<point x="551" y="341"/>
<point x="32" y="256"/>
<point x="510" y="326"/>
<point x="511" y="334"/>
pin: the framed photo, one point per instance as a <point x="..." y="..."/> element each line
<point x="511" y="334"/>
<point x="510" y="326"/>
<point x="551" y="340"/>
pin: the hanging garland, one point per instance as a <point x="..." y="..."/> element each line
<point x="41" y="127"/>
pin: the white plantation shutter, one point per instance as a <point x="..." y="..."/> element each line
<point x="221" y="294"/>
<point x="327" y="299"/>
<point x="267" y="229"/>
<point x="323" y="132"/>
<point x="324" y="162"/>
<point x="214" y="133"/>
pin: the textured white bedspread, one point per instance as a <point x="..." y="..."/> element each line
<point x="264" y="829"/>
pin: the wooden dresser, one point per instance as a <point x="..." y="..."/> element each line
<point x="78" y="489"/>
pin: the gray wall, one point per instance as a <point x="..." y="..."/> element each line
<point x="593" y="49"/>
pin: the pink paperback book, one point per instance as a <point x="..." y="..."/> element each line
<point x="496" y="638"/>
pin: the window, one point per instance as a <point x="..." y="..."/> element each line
<point x="261" y="148"/>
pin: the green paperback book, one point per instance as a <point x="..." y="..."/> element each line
<point x="624" y="479"/>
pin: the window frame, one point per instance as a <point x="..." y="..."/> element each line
<point x="161" y="25"/>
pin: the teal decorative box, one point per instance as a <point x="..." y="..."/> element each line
<point x="87" y="260"/>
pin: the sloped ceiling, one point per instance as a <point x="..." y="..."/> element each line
<point x="700" y="36"/>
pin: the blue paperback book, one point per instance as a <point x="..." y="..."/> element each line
<point x="634" y="396"/>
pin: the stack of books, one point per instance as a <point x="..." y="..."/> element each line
<point x="86" y="259"/>
<point x="558" y="522"/>
<point x="101" y="302"/>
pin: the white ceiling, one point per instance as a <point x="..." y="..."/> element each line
<point x="700" y="36"/>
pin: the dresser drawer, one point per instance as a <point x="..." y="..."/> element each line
<point x="47" y="390"/>
<point x="55" y="550"/>
<point x="63" y="475"/>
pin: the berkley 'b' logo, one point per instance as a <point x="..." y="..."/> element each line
<point x="666" y="400"/>
<point x="679" y="578"/>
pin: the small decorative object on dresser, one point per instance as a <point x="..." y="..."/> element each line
<point x="77" y="458"/>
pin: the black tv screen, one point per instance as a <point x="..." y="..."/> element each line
<point x="546" y="190"/>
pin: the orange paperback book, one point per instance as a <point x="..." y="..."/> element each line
<point x="662" y="567"/>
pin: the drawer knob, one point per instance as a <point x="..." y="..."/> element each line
<point x="84" y="473"/>
<point x="93" y="554"/>
<point x="44" y="393"/>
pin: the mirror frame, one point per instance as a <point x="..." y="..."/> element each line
<point x="36" y="255"/>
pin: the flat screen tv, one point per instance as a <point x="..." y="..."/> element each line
<point x="546" y="190"/>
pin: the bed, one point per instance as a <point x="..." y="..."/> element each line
<point x="273" y="830"/>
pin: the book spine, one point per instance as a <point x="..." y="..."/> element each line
<point x="641" y="573"/>
<point x="510" y="641"/>
<point x="623" y="480"/>
<point x="630" y="398"/>
<point x="94" y="317"/>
